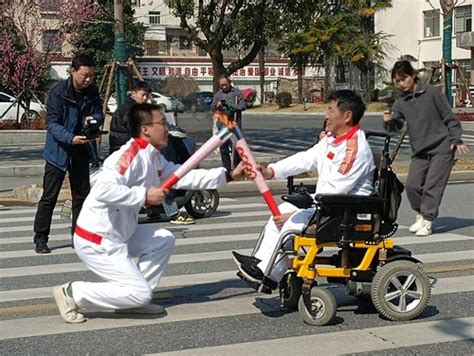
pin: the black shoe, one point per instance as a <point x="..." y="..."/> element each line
<point x="42" y="248"/>
<point x="259" y="287"/>
<point x="240" y="259"/>
<point x="251" y="272"/>
<point x="255" y="274"/>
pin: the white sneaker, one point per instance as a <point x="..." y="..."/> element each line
<point x="67" y="306"/>
<point x="416" y="226"/>
<point x="425" y="228"/>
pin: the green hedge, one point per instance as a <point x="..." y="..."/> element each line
<point x="283" y="99"/>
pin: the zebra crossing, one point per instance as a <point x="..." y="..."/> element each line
<point x="210" y="310"/>
<point x="288" y="145"/>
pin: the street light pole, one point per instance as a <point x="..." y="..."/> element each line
<point x="120" y="52"/>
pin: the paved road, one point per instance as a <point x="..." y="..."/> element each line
<point x="270" y="136"/>
<point x="211" y="312"/>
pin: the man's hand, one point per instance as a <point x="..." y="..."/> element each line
<point x="79" y="140"/>
<point x="239" y="172"/>
<point x="462" y="149"/>
<point x="281" y="220"/>
<point x="267" y="173"/>
<point x="387" y="116"/>
<point x="155" y="195"/>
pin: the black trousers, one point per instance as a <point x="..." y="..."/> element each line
<point x="52" y="182"/>
<point x="226" y="149"/>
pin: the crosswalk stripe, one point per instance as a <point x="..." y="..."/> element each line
<point x="403" y="240"/>
<point x="374" y="339"/>
<point x="452" y="284"/>
<point x="220" y="209"/>
<point x="48" y="325"/>
<point x="204" y="256"/>
<point x="194" y="227"/>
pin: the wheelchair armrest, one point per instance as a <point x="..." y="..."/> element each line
<point x="302" y="201"/>
<point x="360" y="203"/>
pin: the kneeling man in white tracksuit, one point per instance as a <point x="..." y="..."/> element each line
<point x="130" y="258"/>
<point x="345" y="164"/>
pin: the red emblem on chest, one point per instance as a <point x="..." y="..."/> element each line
<point x="330" y="155"/>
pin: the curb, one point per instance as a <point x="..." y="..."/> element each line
<point x="234" y="189"/>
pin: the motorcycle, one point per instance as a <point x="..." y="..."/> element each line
<point x="198" y="203"/>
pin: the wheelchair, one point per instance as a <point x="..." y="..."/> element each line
<point x="367" y="262"/>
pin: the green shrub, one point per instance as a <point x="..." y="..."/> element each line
<point x="283" y="99"/>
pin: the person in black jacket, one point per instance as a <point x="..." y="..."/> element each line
<point x="72" y="105"/>
<point x="119" y="131"/>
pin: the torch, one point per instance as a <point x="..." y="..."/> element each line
<point x="206" y="149"/>
<point x="244" y="151"/>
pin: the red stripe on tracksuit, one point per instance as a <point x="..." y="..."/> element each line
<point x="87" y="235"/>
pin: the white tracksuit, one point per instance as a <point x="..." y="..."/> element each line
<point x="130" y="258"/>
<point x="344" y="164"/>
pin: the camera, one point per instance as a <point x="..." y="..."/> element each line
<point x="92" y="129"/>
<point x="227" y="106"/>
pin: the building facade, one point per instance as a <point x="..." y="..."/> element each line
<point x="416" y="27"/>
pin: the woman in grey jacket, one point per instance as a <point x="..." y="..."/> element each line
<point x="435" y="136"/>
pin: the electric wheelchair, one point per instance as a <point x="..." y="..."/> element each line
<point x="366" y="261"/>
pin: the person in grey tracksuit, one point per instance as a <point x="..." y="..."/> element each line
<point x="435" y="136"/>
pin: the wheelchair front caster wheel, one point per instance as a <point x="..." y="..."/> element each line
<point x="290" y="290"/>
<point x="400" y="290"/>
<point x="322" y="308"/>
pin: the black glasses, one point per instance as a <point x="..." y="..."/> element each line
<point x="163" y="123"/>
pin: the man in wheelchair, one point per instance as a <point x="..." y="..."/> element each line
<point x="345" y="164"/>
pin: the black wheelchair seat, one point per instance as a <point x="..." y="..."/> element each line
<point x="302" y="201"/>
<point x="360" y="203"/>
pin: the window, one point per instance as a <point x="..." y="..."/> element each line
<point x="136" y="3"/>
<point x="185" y="43"/>
<point x="52" y="41"/>
<point x="463" y="19"/>
<point x="431" y="20"/>
<point x="154" y="17"/>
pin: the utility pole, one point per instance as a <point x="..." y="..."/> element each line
<point x="448" y="8"/>
<point x="120" y="52"/>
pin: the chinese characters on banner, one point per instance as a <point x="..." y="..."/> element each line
<point x="151" y="71"/>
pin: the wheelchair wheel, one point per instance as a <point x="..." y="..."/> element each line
<point x="400" y="290"/>
<point x="323" y="307"/>
<point x="202" y="204"/>
<point x="290" y="290"/>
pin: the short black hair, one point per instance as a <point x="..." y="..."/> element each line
<point x="349" y="100"/>
<point x="139" y="85"/>
<point x="404" y="68"/>
<point x="82" y="60"/>
<point x="140" y="114"/>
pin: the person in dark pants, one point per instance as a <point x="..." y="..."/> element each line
<point x="119" y="130"/>
<point x="435" y="136"/>
<point x="71" y="105"/>
<point x="230" y="101"/>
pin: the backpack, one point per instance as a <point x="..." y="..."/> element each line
<point x="392" y="191"/>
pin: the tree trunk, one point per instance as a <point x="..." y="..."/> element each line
<point x="218" y="65"/>
<point x="365" y="79"/>
<point x="300" y="70"/>
<point x="261" y="66"/>
<point x="327" y="76"/>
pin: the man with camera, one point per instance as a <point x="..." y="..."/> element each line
<point x="230" y="101"/>
<point x="73" y="106"/>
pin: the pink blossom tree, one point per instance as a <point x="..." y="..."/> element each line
<point x="32" y="34"/>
